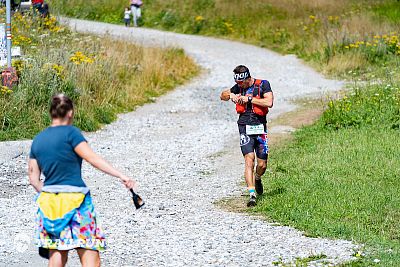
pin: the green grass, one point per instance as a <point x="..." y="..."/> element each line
<point x="365" y="105"/>
<point x="388" y="10"/>
<point x="300" y="262"/>
<point x="340" y="177"/>
<point x="350" y="181"/>
<point x="340" y="184"/>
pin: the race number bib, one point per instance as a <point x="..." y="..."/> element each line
<point x="255" y="129"/>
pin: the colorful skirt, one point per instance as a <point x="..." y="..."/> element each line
<point x="67" y="221"/>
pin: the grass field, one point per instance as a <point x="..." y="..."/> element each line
<point x="104" y="77"/>
<point x="339" y="184"/>
<point x="339" y="178"/>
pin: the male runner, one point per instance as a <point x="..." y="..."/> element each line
<point x="253" y="97"/>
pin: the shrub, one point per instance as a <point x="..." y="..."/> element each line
<point x="376" y="105"/>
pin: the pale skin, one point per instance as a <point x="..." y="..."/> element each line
<point x="267" y="101"/>
<point x="88" y="258"/>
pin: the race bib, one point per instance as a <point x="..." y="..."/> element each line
<point x="255" y="129"/>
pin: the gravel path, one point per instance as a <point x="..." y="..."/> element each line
<point x="183" y="149"/>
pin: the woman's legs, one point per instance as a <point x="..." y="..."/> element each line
<point x="88" y="257"/>
<point x="58" y="258"/>
<point x="134" y="19"/>
<point x="136" y="13"/>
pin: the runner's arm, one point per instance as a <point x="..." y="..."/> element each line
<point x="267" y="101"/>
<point x="34" y="175"/>
<point x="85" y="152"/>
<point x="227" y="95"/>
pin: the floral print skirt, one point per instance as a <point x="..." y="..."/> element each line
<point x="77" y="228"/>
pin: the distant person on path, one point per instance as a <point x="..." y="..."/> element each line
<point x="66" y="218"/>
<point x="136" y="11"/>
<point x="45" y="11"/>
<point x="127" y="17"/>
<point x="253" y="97"/>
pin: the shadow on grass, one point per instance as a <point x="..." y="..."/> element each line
<point x="275" y="192"/>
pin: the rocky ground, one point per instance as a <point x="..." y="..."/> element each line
<point x="184" y="151"/>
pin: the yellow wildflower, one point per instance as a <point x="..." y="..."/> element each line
<point x="229" y="26"/>
<point x="79" y="58"/>
<point x="5" y="90"/>
<point x="59" y="70"/>
<point x="199" y="18"/>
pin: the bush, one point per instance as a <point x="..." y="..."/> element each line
<point x="376" y="105"/>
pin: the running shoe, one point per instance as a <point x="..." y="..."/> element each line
<point x="259" y="187"/>
<point x="252" y="200"/>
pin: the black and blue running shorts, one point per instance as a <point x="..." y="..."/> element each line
<point x="253" y="143"/>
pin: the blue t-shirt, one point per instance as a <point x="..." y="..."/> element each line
<point x="53" y="149"/>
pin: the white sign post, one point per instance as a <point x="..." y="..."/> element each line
<point x="3" y="44"/>
<point x="8" y="32"/>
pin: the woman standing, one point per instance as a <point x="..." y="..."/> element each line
<point x="136" y="11"/>
<point x="66" y="218"/>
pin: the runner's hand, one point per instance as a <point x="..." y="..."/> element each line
<point x="243" y="99"/>
<point x="234" y="98"/>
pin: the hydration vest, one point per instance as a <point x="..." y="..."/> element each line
<point x="259" y="110"/>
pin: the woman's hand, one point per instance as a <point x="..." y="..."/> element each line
<point x="129" y="182"/>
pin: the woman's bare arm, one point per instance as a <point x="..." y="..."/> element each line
<point x="86" y="152"/>
<point x="34" y="175"/>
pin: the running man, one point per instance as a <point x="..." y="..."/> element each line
<point x="253" y="97"/>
